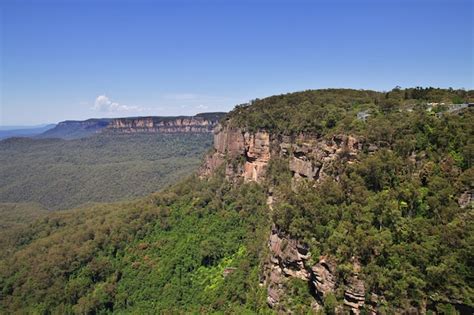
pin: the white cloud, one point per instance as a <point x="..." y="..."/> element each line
<point x="202" y="106"/>
<point x="104" y="104"/>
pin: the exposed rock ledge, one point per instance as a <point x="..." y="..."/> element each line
<point x="309" y="156"/>
<point x="233" y="143"/>
<point x="201" y="123"/>
<point x="291" y="259"/>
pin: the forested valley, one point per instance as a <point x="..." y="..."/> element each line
<point x="381" y="224"/>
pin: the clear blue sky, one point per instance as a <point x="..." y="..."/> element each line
<point x="80" y="59"/>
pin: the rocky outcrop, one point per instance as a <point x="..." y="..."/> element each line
<point x="354" y="294"/>
<point x="228" y="145"/>
<point x="257" y="155"/>
<point x="201" y="123"/>
<point x="324" y="279"/>
<point x="466" y="199"/>
<point x="289" y="259"/>
<point x="247" y="155"/>
<point x="310" y="157"/>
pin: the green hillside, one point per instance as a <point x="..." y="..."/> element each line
<point x="167" y="252"/>
<point x="320" y="111"/>
<point x="201" y="246"/>
<point x="14" y="217"/>
<point x="61" y="174"/>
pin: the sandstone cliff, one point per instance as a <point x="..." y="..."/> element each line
<point x="201" y="123"/>
<point x="73" y="129"/>
<point x="308" y="156"/>
<point x="291" y="259"/>
<point x="237" y="145"/>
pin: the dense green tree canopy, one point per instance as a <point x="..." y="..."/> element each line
<point x="61" y="174"/>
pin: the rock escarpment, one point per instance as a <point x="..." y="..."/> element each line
<point x="201" y="123"/>
<point x="291" y="259"/>
<point x="235" y="145"/>
<point x="308" y="156"/>
<point x="312" y="157"/>
<point x="74" y="129"/>
<point x="466" y="199"/>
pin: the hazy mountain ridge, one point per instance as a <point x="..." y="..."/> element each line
<point x="74" y="129"/>
<point x="8" y="132"/>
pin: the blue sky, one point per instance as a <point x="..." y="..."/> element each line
<point x="80" y="59"/>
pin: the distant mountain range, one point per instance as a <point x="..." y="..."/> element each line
<point x="75" y="129"/>
<point x="23" y="131"/>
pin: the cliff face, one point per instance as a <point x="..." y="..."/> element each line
<point x="235" y="144"/>
<point x="181" y="124"/>
<point x="73" y="129"/>
<point x="308" y="156"/>
<point x="290" y="259"/>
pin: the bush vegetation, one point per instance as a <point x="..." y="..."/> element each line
<point x="325" y="111"/>
<point x="61" y="174"/>
<point x="165" y="253"/>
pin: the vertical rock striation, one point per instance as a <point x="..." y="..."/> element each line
<point x="289" y="258"/>
<point x="201" y="123"/>
<point x="308" y="156"/>
<point x="247" y="154"/>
